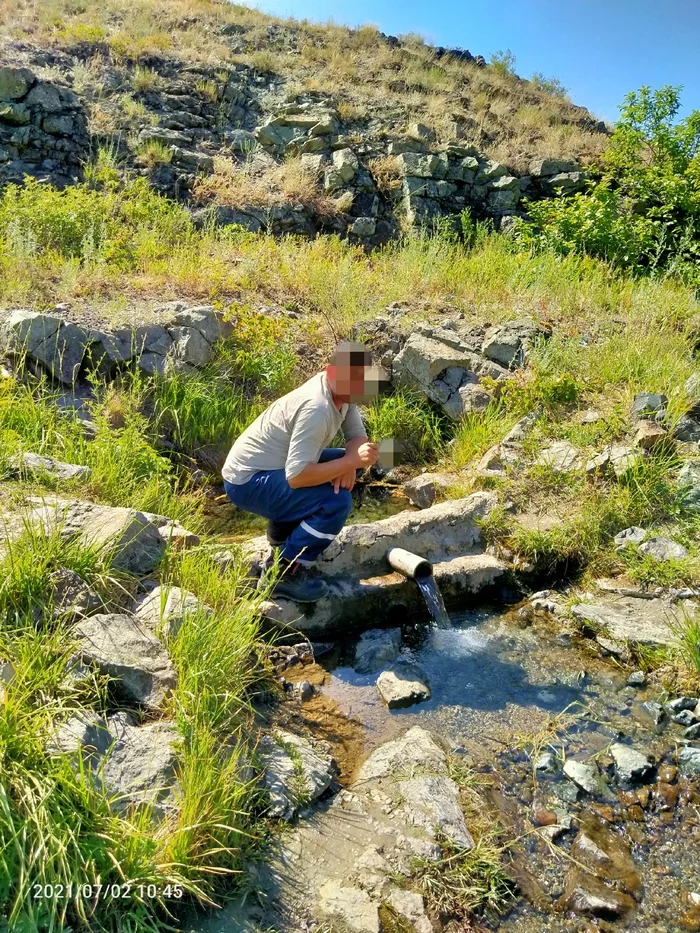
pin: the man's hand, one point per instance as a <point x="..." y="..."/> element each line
<point x="346" y="481"/>
<point x="365" y="456"/>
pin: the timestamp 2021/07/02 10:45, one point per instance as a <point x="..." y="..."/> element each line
<point x="101" y="892"/>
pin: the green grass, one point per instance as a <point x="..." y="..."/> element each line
<point x="478" y="432"/>
<point x="407" y="418"/>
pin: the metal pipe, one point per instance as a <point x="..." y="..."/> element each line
<point x="410" y="565"/>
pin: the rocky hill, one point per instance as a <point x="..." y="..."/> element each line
<point x="281" y="125"/>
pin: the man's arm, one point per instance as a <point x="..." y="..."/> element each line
<point x="314" y="474"/>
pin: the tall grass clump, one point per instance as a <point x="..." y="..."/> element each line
<point x="407" y="418"/>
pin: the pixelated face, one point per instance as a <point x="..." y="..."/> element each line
<point x="352" y="374"/>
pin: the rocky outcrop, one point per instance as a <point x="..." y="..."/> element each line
<point x="340" y="866"/>
<point x="52" y="343"/>
<point x="165" y="608"/>
<point x="43" y="128"/>
<point x="447" y="363"/>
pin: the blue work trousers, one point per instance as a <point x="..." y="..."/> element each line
<point x="313" y="515"/>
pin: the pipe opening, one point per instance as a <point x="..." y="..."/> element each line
<point x="410" y="565"/>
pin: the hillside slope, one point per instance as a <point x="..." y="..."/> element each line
<point x="281" y="125"/>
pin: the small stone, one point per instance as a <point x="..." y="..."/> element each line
<point x="692" y="732"/>
<point x="667" y="774"/>
<point x="654" y="711"/>
<point x="304" y="690"/>
<point x="561" y="457"/>
<point x="663" y="549"/>
<point x="631" y="766"/>
<point x="588" y="778"/>
<point x="587" y="895"/>
<point x="637" y="679"/>
<point x="681" y="703"/>
<point x="665" y="796"/>
<point x="633" y="535"/>
<point x="685" y="718"/>
<point x="353" y="907"/>
<point x="548" y="763"/>
<point x="647" y="403"/>
<point x="648" y="435"/>
<point x="165" y="608"/>
<point x="689" y="760"/>
<point x="403" y="685"/>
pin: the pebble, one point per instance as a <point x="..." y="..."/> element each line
<point x="547" y="762"/>
<point x="667" y="774"/>
<point x="304" y="690"/>
<point x="544" y="817"/>
<point x="654" y="711"/>
<point x="685" y="718"/>
<point x="681" y="703"/>
<point x="637" y="679"/>
<point x="665" y="796"/>
<point x="692" y="732"/>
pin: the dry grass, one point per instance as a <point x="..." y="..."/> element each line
<point x="511" y="119"/>
<point x="239" y="185"/>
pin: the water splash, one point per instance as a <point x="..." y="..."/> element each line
<point x="433" y="600"/>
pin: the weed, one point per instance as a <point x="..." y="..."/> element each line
<point x="686" y="629"/>
<point x="145" y="79"/>
<point x="153" y="152"/>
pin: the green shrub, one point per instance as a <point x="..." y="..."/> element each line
<point x="645" y="212"/>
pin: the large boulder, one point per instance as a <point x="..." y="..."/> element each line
<point x="137" y="540"/>
<point x="119" y="646"/>
<point x="56" y="345"/>
<point x="136" y="765"/>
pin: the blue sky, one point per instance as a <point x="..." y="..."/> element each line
<point x="599" y="49"/>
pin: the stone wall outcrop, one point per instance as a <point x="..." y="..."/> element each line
<point x="43" y="128"/>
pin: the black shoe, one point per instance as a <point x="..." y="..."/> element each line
<point x="298" y="583"/>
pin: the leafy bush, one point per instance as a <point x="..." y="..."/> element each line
<point x="644" y="214"/>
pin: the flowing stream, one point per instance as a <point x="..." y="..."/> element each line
<point x="501" y="695"/>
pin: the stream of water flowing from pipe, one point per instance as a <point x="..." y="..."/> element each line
<point x="433" y="600"/>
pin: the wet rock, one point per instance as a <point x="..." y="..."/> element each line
<point x="633" y="535"/>
<point x="294" y="773"/>
<point x="692" y="732"/>
<point x="588" y="778"/>
<point x="548" y="763"/>
<point x="637" y="679"/>
<point x="432" y="801"/>
<point x="165" y="608"/>
<point x="631" y="766"/>
<point x="120" y="647"/>
<point x="665" y="796"/>
<point x="403" y="685"/>
<point x="423" y="490"/>
<point x="663" y="549"/>
<point x="584" y="894"/>
<point x="33" y="463"/>
<point x="351" y="906"/>
<point x="415" y="749"/>
<point x="654" y="711"/>
<point x="561" y="456"/>
<point x="376" y="648"/>
<point x="71" y="596"/>
<point x="647" y="403"/>
<point x="667" y="773"/>
<point x="689" y="760"/>
<point x="602" y="851"/>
